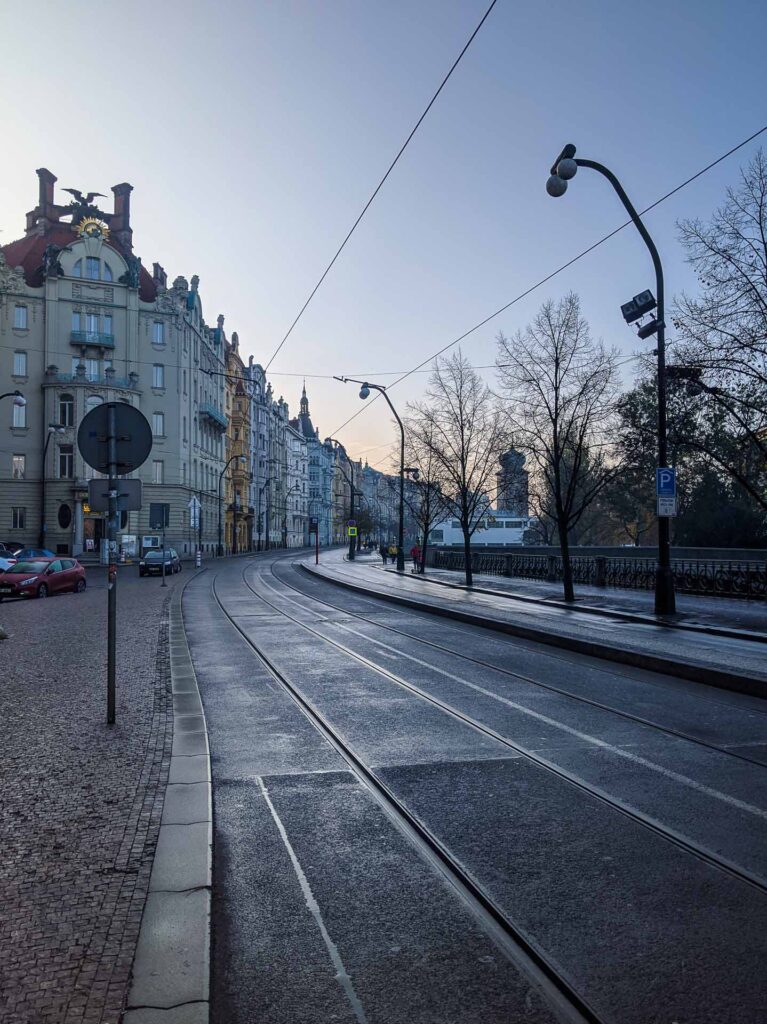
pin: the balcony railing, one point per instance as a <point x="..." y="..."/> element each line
<point x="92" y="338"/>
<point x="214" y="414"/>
<point x="106" y="380"/>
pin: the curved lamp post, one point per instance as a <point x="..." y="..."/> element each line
<point x="563" y="170"/>
<point x="365" y="393"/>
<point x="352" y="545"/>
<point x="231" y="459"/>
<point x="53" y="428"/>
<point x="18" y="398"/>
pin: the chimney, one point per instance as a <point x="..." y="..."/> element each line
<point x="39" y="219"/>
<point x="120" y="224"/>
<point x="47" y="181"/>
<point x="159" y="277"/>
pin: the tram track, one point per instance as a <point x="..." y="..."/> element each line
<point x="510" y="673"/>
<point x="685" y="843"/>
<point x="520" y="948"/>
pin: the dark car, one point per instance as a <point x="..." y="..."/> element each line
<point x="24" y="553"/>
<point x="151" y="563"/>
<point x="41" y="577"/>
<point x="10" y="549"/>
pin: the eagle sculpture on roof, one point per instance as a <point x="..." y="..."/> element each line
<point x="80" y="198"/>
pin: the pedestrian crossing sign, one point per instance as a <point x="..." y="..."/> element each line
<point x="352" y="531"/>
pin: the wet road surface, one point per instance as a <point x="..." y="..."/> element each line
<point x="614" y="819"/>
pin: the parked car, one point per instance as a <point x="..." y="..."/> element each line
<point x="151" y="563"/>
<point x="41" y="577"/>
<point x="10" y="549"/>
<point x="6" y="563"/>
<point x="23" y="553"/>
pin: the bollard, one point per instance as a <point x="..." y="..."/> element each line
<point x="198" y="558"/>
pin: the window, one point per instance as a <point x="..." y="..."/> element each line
<point x="20" y="318"/>
<point x="19" y="415"/>
<point x="92" y="268"/>
<point x="184" y="381"/>
<point x="456" y="524"/>
<point x="158" y="471"/>
<point x="158" y="333"/>
<point x="18" y="517"/>
<point x="107" y="323"/>
<point x="91" y="369"/>
<point x="158" y="375"/>
<point x="19" y="364"/>
<point x="107" y="275"/>
<point x="158" y="424"/>
<point x="435" y="535"/>
<point x="92" y="401"/>
<point x="66" y="410"/>
<point x="66" y="461"/>
<point x="184" y="429"/>
<point x="77" y="321"/>
<point x="19" y="466"/>
<point x="514" y="524"/>
<point x="183" y="473"/>
<point x="91" y="322"/>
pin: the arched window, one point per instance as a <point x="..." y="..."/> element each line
<point x="92" y="269"/>
<point x="92" y="401"/>
<point x="66" y="410"/>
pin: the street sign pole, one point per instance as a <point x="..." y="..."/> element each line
<point x="163" y="584"/>
<point x="112" y="570"/>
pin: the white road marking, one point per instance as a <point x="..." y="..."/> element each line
<point x="341" y="973"/>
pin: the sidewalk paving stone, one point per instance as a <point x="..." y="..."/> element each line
<point x="80" y="802"/>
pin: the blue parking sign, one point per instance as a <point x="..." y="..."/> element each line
<point x="665" y="480"/>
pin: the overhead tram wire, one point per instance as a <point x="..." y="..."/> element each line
<point x="554" y="273"/>
<point x="380" y="184"/>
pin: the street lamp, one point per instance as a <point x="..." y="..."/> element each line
<point x="352" y="545"/>
<point x="53" y="428"/>
<point x="365" y="393"/>
<point x="231" y="459"/>
<point x="563" y="170"/>
<point x="18" y="398"/>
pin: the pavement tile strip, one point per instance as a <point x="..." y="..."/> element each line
<point x="172" y="965"/>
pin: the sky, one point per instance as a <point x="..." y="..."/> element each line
<point x="254" y="132"/>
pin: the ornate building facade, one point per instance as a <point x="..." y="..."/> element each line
<point x="83" y="322"/>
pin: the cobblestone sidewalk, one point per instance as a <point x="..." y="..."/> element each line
<point x="80" y="803"/>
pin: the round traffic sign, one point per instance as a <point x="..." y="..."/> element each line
<point x="133" y="437"/>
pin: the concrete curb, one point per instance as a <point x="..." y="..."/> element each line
<point x="171" y="969"/>
<point x="720" y="678"/>
<point x="612" y="613"/>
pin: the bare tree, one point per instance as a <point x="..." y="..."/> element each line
<point x="561" y="387"/>
<point x="425" y="501"/>
<point x="464" y="433"/>
<point x="721" y="354"/>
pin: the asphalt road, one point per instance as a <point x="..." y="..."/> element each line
<point x="615" y="819"/>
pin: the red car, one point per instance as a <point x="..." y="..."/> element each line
<point x="41" y="577"/>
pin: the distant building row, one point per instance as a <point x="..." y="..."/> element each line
<point x="82" y="322"/>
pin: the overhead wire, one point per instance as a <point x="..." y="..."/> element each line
<point x="380" y="184"/>
<point x="554" y="273"/>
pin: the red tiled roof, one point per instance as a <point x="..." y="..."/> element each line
<point x="27" y="252"/>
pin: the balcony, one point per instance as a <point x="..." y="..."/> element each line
<point x="109" y="380"/>
<point x="92" y="338"/>
<point x="214" y="415"/>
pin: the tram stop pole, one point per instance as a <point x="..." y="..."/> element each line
<point x="112" y="570"/>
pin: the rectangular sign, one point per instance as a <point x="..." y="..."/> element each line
<point x="666" y="505"/>
<point x="128" y="495"/>
<point x="665" y="482"/>
<point x="352" y="531"/>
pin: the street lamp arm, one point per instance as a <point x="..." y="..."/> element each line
<point x="638" y="222"/>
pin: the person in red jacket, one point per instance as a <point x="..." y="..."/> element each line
<point x="415" y="554"/>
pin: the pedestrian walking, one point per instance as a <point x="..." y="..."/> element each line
<point x="382" y="551"/>
<point x="415" y="554"/>
<point x="393" y="553"/>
